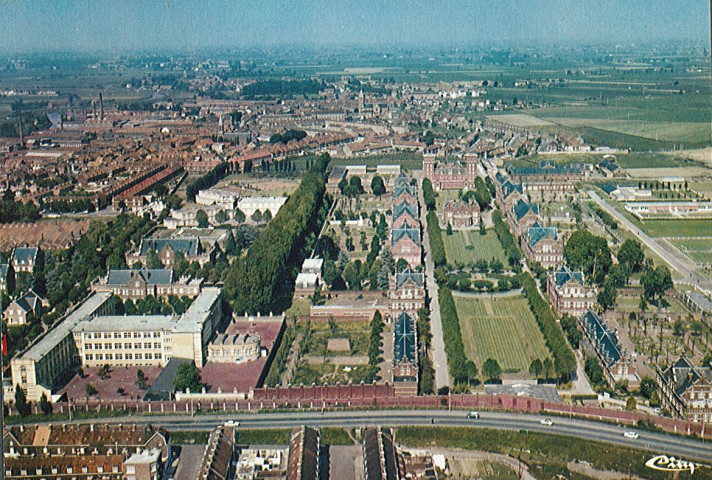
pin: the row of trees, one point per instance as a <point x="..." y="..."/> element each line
<point x="206" y="181"/>
<point x="281" y="88"/>
<point x="426" y="384"/>
<point x="428" y="194"/>
<point x="287" y="136"/>
<point x="564" y="361"/>
<point x="437" y="247"/>
<point x="506" y="239"/>
<point x="11" y="211"/>
<point x="462" y="370"/>
<point x="263" y="280"/>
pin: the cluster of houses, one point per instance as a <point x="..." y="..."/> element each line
<point x="567" y="290"/>
<point x="26" y="304"/>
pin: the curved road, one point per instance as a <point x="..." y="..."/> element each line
<point x="659" y="443"/>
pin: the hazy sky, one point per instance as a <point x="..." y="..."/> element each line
<point x="114" y="25"/>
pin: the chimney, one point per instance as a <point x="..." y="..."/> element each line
<point x="101" y="107"/>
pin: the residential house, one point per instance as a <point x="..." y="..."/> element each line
<point x="541" y="244"/>
<point x="167" y="248"/>
<point x="22" y="308"/>
<point x="569" y="293"/>
<point x="610" y="169"/>
<point x="380" y="457"/>
<point x="686" y="390"/>
<point x="219" y="455"/>
<point x="303" y="460"/>
<point x="617" y="365"/>
<point x="24" y="258"/>
<point x="523" y="216"/>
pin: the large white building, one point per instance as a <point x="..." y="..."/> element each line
<point x="249" y="205"/>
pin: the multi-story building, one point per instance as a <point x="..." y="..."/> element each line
<point x="166" y="248"/>
<point x="405" y="244"/>
<point x="686" y="390"/>
<point x="24" y="258"/>
<point x="541" y="244"/>
<point x="303" y="461"/>
<point x="4" y="271"/>
<point x="405" y="215"/>
<point x="407" y="292"/>
<point x="85" y="452"/>
<point x="143" y="282"/>
<point x="461" y="214"/>
<point x="547" y="176"/>
<point x="454" y="174"/>
<point x="523" y="216"/>
<point x="234" y="348"/>
<point x="217" y="463"/>
<point x="617" y="365"/>
<point x="569" y="293"/>
<point x="29" y="304"/>
<point x="405" y="355"/>
<point x="380" y="457"/>
<point x="150" y="339"/>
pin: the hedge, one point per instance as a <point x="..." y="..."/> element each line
<point x="461" y="369"/>
<point x="509" y="243"/>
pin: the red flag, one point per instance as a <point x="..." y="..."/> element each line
<point x="4" y="344"/>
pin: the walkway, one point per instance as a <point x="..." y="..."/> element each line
<point x="442" y="376"/>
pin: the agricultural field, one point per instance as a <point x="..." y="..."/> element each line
<point x="501" y="328"/>
<point x="465" y="247"/>
<point x="678" y="228"/>
<point x="698" y="249"/>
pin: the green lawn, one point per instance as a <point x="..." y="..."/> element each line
<point x="468" y="246"/>
<point x="503" y="329"/>
<point x="698" y="249"/>
<point x="678" y="228"/>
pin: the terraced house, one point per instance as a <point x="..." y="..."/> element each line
<point x="541" y="244"/>
<point x="569" y="292"/>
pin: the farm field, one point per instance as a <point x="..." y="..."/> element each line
<point x="500" y="328"/>
<point x="520" y="120"/>
<point x="698" y="249"/>
<point x="467" y="246"/>
<point x="677" y="228"/>
<point x="665" y="131"/>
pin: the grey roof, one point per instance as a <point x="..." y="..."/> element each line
<point x="608" y="165"/>
<point x="409" y="274"/>
<point x="189" y="246"/>
<point x="405" y="208"/>
<point x="64" y="327"/>
<point x="522" y="208"/>
<point x="399" y="189"/>
<point x="546" y="167"/>
<point x="402" y="180"/>
<point x="399" y="233"/>
<point x="699" y="299"/>
<point x="154" y="276"/>
<point x="509" y="188"/>
<point x="684" y="374"/>
<point x="603" y="340"/>
<point x="128" y="323"/>
<point x="538" y="232"/>
<point x="28" y="301"/>
<point x="564" y="274"/>
<point x="609" y="188"/>
<point x="500" y="178"/>
<point x="405" y="344"/>
<point x="24" y="255"/>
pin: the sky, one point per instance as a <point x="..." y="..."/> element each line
<point x="120" y="25"/>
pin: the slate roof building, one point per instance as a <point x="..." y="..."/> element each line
<point x="617" y="365"/>
<point x="166" y="248"/>
<point x="452" y="173"/>
<point x="405" y="244"/>
<point x="219" y="454"/>
<point x="686" y="390"/>
<point x="407" y="292"/>
<point x="143" y="282"/>
<point x="522" y="216"/>
<point x="405" y="215"/>
<point x="4" y="267"/>
<point x="569" y="292"/>
<point x="405" y="355"/>
<point x="547" y="176"/>
<point x="303" y="462"/>
<point x="380" y="458"/>
<point x="541" y="244"/>
<point x="27" y="304"/>
<point x="23" y="259"/>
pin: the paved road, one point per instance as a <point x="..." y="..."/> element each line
<point x="681" y="447"/>
<point x="442" y="376"/>
<point x="687" y="269"/>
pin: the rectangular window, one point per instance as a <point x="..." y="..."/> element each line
<point x="149" y="356"/>
<point x="109" y="356"/>
<point x="89" y="356"/>
<point x="108" y="346"/>
<point x="129" y="356"/>
<point x="139" y="356"/>
<point x="156" y="345"/>
<point x="147" y="345"/>
<point x="127" y="334"/>
<point x="99" y="356"/>
<point x="137" y="346"/>
<point x="119" y="356"/>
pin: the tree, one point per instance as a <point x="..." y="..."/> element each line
<point x="90" y="389"/>
<point x="535" y="368"/>
<point x="483" y="231"/>
<point x="221" y="216"/>
<point x="589" y="253"/>
<point x="594" y="371"/>
<point x="648" y="386"/>
<point x="45" y="405"/>
<point x="482" y="193"/>
<point x="378" y="187"/>
<point x="631" y="404"/>
<point x="607" y="295"/>
<point x="491" y="369"/>
<point x="655" y="281"/>
<point x="187" y="377"/>
<point x="547" y="367"/>
<point x="153" y="260"/>
<point x="141" y="380"/>
<point x="239" y="216"/>
<point x="631" y="257"/>
<point x="202" y="218"/>
<point x="21" y="403"/>
<point x="448" y="229"/>
<point x="10" y="279"/>
<point x="428" y="194"/>
<point x="256" y="216"/>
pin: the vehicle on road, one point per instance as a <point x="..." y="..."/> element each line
<point x="473" y="415"/>
<point x="632" y="435"/>
<point x="547" y="422"/>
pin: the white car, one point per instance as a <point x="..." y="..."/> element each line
<point x="473" y="415"/>
<point x="632" y="435"/>
<point x="547" y="422"/>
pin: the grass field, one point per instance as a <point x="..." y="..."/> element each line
<point x="468" y="246"/>
<point x="698" y="249"/>
<point x="503" y="329"/>
<point x="678" y="228"/>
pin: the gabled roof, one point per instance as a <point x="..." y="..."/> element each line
<point x="407" y="189"/>
<point x="399" y="233"/>
<point x="405" y="208"/>
<point x="564" y="275"/>
<point x="509" y="188"/>
<point x="684" y="374"/>
<point x="409" y="275"/>
<point x="405" y="344"/>
<point x="24" y="255"/>
<point x="522" y="208"/>
<point x="402" y="180"/>
<point x="609" y="188"/>
<point x="544" y="168"/>
<point x="189" y="246"/>
<point x="538" y="232"/>
<point x="608" y="165"/>
<point x="604" y="340"/>
<point x="153" y="276"/>
<point x="500" y="178"/>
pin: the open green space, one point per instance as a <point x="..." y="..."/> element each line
<point x="698" y="249"/>
<point x="678" y="228"/>
<point x="503" y="329"/>
<point x="465" y="247"/>
<point x="407" y="160"/>
<point x="356" y="332"/>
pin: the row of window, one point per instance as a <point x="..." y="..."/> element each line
<point x="99" y="335"/>
<point x="89" y="357"/>
<point x="119" y="346"/>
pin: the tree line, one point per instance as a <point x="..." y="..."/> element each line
<point x="564" y="361"/>
<point x="428" y="194"/>
<point x="279" y="88"/>
<point x="437" y="247"/>
<point x="263" y="280"/>
<point x="461" y="369"/>
<point x="206" y="181"/>
<point x="509" y="243"/>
